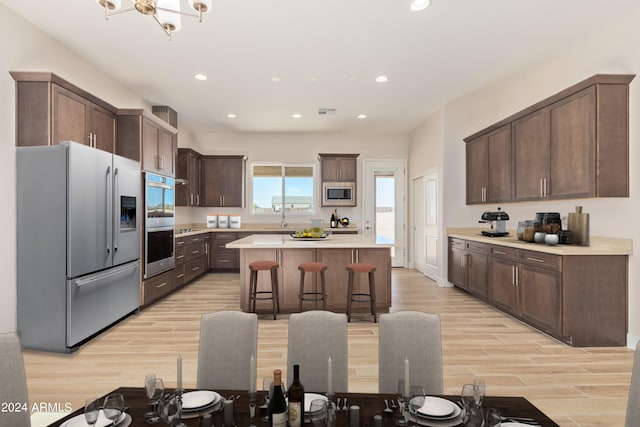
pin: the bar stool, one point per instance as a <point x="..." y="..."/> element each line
<point x="362" y="267"/>
<point x="254" y="267"/>
<point x="313" y="267"/>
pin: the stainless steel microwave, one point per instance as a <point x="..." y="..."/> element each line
<point x="338" y="194"/>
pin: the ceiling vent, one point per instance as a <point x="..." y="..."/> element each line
<point x="167" y="114"/>
<point x="327" y="111"/>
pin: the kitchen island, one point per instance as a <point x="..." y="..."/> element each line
<point x="336" y="251"/>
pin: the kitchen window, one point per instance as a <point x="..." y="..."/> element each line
<point x="274" y="183"/>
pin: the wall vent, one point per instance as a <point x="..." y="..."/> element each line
<point x="327" y="111"/>
<point x="166" y="113"/>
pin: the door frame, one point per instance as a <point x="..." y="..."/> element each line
<point x="369" y="168"/>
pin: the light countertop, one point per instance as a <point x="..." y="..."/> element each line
<point x="285" y="241"/>
<point x="598" y="245"/>
<point x="258" y="228"/>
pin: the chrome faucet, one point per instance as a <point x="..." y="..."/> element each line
<point x="283" y="224"/>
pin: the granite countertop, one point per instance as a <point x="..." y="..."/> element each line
<point x="284" y="241"/>
<point x="598" y="245"/>
<point x="257" y="228"/>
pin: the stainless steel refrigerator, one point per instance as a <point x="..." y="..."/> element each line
<point x="78" y="243"/>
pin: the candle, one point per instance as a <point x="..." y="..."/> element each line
<point x="252" y="376"/>
<point x="179" y="386"/>
<point x="406" y="377"/>
<point x="329" y="376"/>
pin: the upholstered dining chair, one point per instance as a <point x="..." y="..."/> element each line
<point x="314" y="336"/>
<point x="416" y="336"/>
<point x="633" y="404"/>
<point x="227" y="341"/>
<point x="13" y="381"/>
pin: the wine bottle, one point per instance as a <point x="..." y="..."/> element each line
<point x="277" y="404"/>
<point x="296" y="399"/>
<point x="334" y="220"/>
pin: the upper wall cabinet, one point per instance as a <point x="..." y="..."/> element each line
<point x="223" y="181"/>
<point x="489" y="167"/>
<point x="574" y="144"/>
<point x="50" y="110"/>
<point x="146" y="138"/>
<point x="188" y="192"/>
<point x="339" y="167"/>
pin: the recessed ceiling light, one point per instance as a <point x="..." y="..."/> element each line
<point x="201" y="77"/>
<point x="231" y="116"/>
<point x="296" y="115"/>
<point x="418" y="5"/>
<point x="315" y="79"/>
<point x="362" y="116"/>
<point x="275" y="79"/>
<point x="382" y="79"/>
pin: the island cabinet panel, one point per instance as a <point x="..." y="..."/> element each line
<point x="578" y="299"/>
<point x="290" y="279"/>
<point x="336" y="276"/>
<point x="381" y="258"/>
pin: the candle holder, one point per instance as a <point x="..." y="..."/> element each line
<point x="403" y="401"/>
<point x="252" y="407"/>
<point x="179" y="422"/>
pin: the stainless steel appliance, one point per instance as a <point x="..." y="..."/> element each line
<point x="78" y="243"/>
<point x="338" y="194"/>
<point x="159" y="224"/>
<point x="500" y="218"/>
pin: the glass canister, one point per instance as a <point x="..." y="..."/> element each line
<point x="529" y="231"/>
<point x="550" y="222"/>
<point x="520" y="230"/>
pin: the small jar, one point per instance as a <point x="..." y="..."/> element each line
<point x="551" y="239"/>
<point x="539" y="237"/>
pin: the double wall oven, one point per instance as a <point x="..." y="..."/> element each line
<point x="159" y="224"/>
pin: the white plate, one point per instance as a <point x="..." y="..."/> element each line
<point x="80" y="421"/>
<point x="308" y="398"/>
<point x="435" y="407"/>
<point x="198" y="399"/>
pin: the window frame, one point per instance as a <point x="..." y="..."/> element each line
<point x="284" y="165"/>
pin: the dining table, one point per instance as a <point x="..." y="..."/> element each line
<point x="371" y="404"/>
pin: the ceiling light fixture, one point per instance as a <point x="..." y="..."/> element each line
<point x="201" y="77"/>
<point x="166" y="13"/>
<point x="382" y="79"/>
<point x="231" y="116"/>
<point x="296" y="115"/>
<point x="362" y="116"/>
<point x="418" y="5"/>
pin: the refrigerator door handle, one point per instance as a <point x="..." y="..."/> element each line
<point x="109" y="205"/>
<point x="116" y="209"/>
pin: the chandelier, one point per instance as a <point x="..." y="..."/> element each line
<point x="166" y="13"/>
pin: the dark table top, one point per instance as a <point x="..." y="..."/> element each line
<point x="371" y="404"/>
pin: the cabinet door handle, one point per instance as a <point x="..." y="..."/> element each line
<point x="499" y="252"/>
<point x="180" y="257"/>
<point x="191" y="199"/>
<point x="198" y="199"/>
<point x="90" y="139"/>
<point x="161" y="285"/>
<point x="195" y="269"/>
<point x="546" y="192"/>
<point x="195" y="252"/>
<point x="206" y="248"/>
<point x="197" y="239"/>
<point x="180" y="243"/>
<point x="517" y="275"/>
<point x="180" y="276"/>
<point x="222" y="261"/>
<point x="541" y="187"/>
<point x="535" y="259"/>
<point x="513" y="275"/>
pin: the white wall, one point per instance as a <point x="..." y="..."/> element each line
<point x="291" y="148"/>
<point x="612" y="50"/>
<point x="28" y="49"/>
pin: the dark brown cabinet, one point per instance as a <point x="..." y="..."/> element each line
<point x="144" y="137"/>
<point x="467" y="266"/>
<point x="157" y="287"/>
<point x="223" y="181"/>
<point x="189" y="170"/>
<point x="196" y="256"/>
<point x="580" y="300"/>
<point x="489" y="174"/>
<point x="339" y="167"/>
<point x="50" y="110"/>
<point x="221" y="257"/>
<point x="574" y="144"/>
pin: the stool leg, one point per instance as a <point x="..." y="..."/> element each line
<point x="301" y="290"/>
<point x="349" y="297"/>
<point x="372" y="296"/>
<point x="324" y="290"/>
<point x="274" y="291"/>
<point x="252" y="290"/>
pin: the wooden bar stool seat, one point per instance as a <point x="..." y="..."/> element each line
<point x="254" y="294"/>
<point x="313" y="267"/>
<point x="362" y="267"/>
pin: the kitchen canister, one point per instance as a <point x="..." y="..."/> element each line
<point x="579" y="227"/>
<point x="223" y="221"/>
<point x="212" y="221"/>
<point x="234" y="221"/>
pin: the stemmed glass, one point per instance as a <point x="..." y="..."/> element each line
<point x="267" y="385"/>
<point x="91" y="410"/>
<point x="113" y="407"/>
<point x="155" y="389"/>
<point x="471" y="412"/>
<point x="403" y="401"/>
<point x="318" y="412"/>
<point x="478" y="391"/>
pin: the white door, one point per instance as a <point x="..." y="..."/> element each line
<point x="419" y="221"/>
<point x="384" y="205"/>
<point x="432" y="227"/>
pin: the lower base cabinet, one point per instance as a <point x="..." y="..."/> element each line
<point x="580" y="300"/>
<point x="157" y="287"/>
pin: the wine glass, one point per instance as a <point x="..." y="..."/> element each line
<point x="113" y="407"/>
<point x="91" y="410"/>
<point x="318" y="412"/>
<point x="478" y="391"/>
<point x="267" y="385"/>
<point x="150" y="388"/>
<point x="157" y="385"/>
<point x="404" y="404"/>
<point x="171" y="410"/>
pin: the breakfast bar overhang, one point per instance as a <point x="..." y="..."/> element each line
<point x="336" y="251"/>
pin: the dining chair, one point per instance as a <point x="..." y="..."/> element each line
<point x="228" y="339"/>
<point x="14" y="381"/>
<point x="314" y="336"/>
<point x="415" y="336"/>
<point x="633" y="404"/>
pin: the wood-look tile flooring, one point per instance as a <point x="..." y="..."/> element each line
<point x="574" y="386"/>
